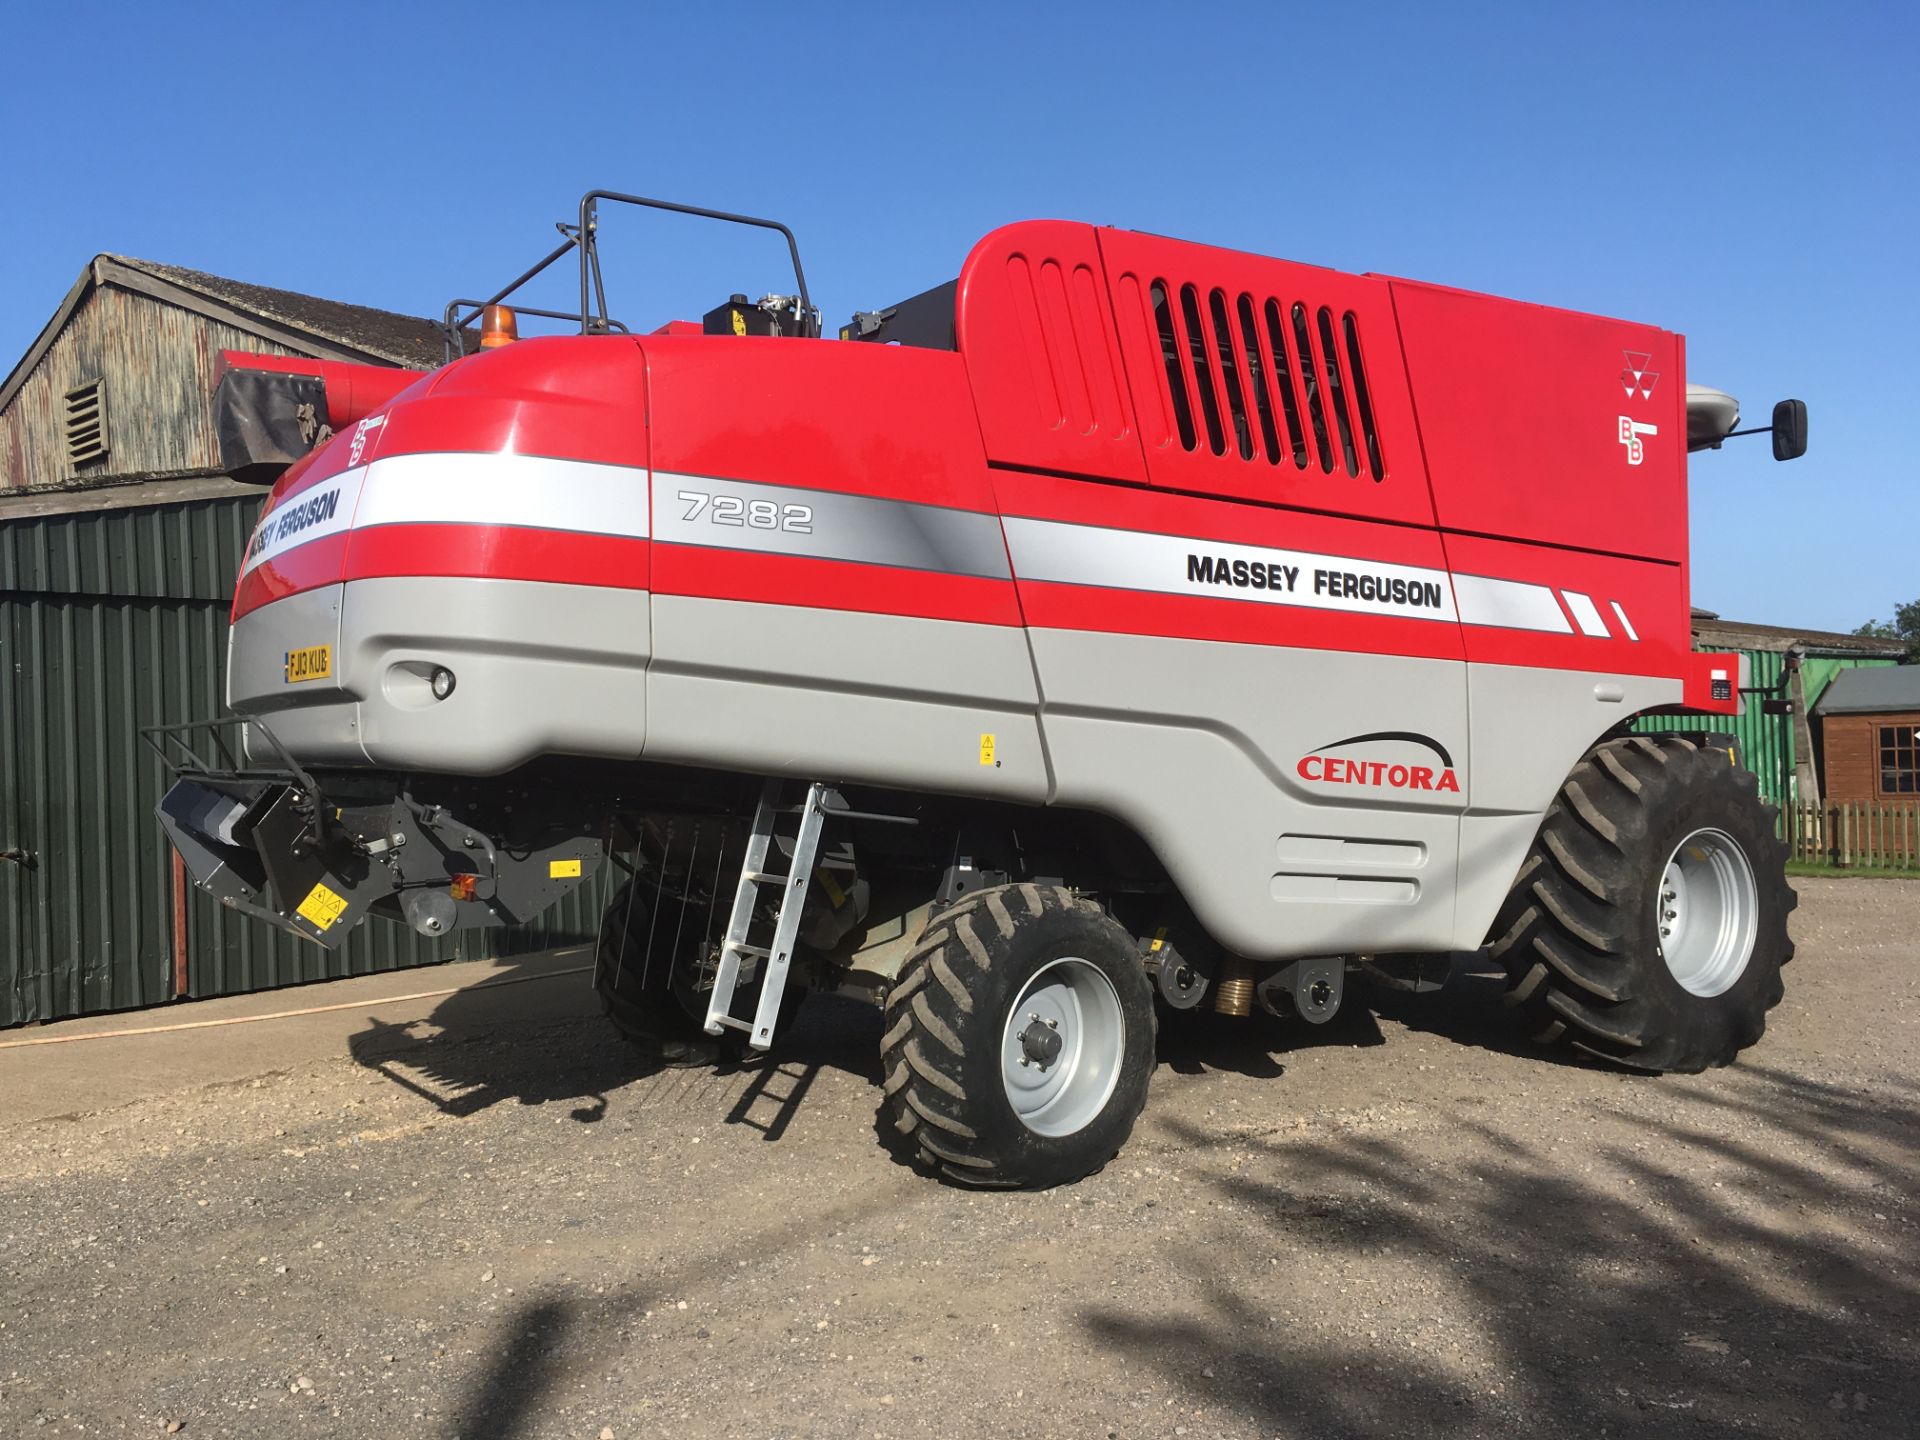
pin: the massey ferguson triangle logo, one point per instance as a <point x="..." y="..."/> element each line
<point x="1637" y="379"/>
<point x="1323" y="768"/>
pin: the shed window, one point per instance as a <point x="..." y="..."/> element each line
<point x="1900" y="759"/>
<point x="86" y="423"/>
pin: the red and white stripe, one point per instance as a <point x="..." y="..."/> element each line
<point x="524" y="517"/>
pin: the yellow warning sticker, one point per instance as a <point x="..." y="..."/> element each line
<point x="315" y="662"/>
<point x="986" y="750"/>
<point x="563" y="869"/>
<point x="322" y="907"/>
<point x="831" y="886"/>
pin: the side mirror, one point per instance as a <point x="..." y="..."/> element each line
<point x="1789" y="429"/>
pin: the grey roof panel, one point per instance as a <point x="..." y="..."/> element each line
<point x="1878" y="689"/>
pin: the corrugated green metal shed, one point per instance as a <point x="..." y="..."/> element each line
<point x="1766" y="741"/>
<point x="110" y="621"/>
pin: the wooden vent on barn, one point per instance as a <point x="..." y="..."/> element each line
<point x="1256" y="377"/>
<point x="87" y="423"/>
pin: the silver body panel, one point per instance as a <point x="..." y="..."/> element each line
<point x="856" y="697"/>
<point x="540" y="669"/>
<point x="1195" y="744"/>
<point x="1199" y="746"/>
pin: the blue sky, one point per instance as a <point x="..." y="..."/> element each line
<point x="1745" y="175"/>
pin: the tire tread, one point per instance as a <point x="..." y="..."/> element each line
<point x="1579" y="971"/>
<point x="934" y="1013"/>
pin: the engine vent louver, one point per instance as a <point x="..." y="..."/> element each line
<point x="1293" y="389"/>
<point x="86" y="423"/>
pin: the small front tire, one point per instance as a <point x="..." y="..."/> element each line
<point x="1019" y="1039"/>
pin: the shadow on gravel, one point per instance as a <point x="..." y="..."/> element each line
<point x="520" y="1376"/>
<point x="477" y="1050"/>
<point x="1470" y="1011"/>
<point x="547" y="1337"/>
<point x="1779" y="1298"/>
<point x="1195" y="1042"/>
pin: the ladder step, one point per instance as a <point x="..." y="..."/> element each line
<point x="793" y="893"/>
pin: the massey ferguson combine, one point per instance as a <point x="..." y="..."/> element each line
<point x="1125" y="624"/>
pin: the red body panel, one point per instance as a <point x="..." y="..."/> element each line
<point x="867" y="419"/>
<point x="1034" y="322"/>
<point x="1489" y="454"/>
<point x="1265" y="424"/>
<point x="1651" y="595"/>
<point x="561" y="398"/>
<point x="500" y="552"/>
<point x="890" y="423"/>
<point x="1520" y="411"/>
<point x="572" y="398"/>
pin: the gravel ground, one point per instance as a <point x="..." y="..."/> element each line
<point x="1403" y="1224"/>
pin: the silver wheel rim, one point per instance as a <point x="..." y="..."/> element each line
<point x="1062" y="1047"/>
<point x="1709" y="913"/>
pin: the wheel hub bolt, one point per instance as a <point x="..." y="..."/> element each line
<point x="1040" y="1043"/>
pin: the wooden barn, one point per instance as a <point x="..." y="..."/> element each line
<point x="118" y="387"/>
<point x="120" y="536"/>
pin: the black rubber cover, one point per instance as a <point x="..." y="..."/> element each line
<point x="259" y="419"/>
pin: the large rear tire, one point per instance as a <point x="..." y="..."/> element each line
<point x="1019" y="1039"/>
<point x="1649" y="923"/>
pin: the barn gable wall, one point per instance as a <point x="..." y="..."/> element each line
<point x="158" y="363"/>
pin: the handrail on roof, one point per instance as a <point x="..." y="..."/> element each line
<point x="590" y="255"/>
<point x="582" y="236"/>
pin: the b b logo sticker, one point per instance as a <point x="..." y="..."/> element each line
<point x="1631" y="431"/>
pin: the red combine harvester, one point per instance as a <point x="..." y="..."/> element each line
<point x="1127" y="623"/>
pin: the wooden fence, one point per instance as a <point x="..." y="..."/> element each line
<point x="1853" y="836"/>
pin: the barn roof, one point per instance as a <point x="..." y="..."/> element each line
<point x="1710" y="632"/>
<point x="306" y="324"/>
<point x="1883" y="689"/>
<point x="379" y="334"/>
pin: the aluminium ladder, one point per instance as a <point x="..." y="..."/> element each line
<point x="777" y="955"/>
